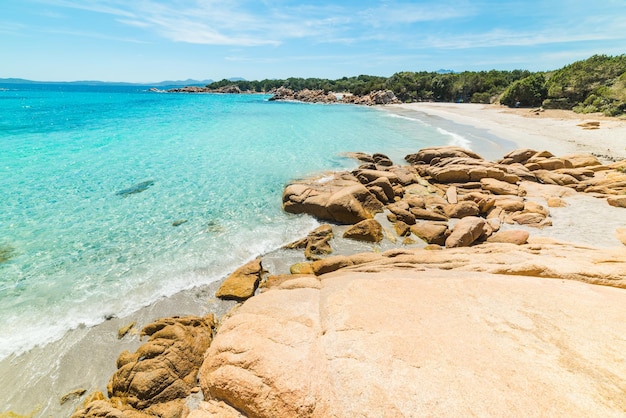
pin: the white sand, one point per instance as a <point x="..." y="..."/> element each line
<point x="554" y="130"/>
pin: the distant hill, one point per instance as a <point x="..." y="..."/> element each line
<point x="188" y="82"/>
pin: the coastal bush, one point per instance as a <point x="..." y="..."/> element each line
<point x="556" y="104"/>
<point x="596" y="84"/>
<point x="529" y="91"/>
<point x="483" y="97"/>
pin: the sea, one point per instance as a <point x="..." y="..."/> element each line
<point x="112" y="197"/>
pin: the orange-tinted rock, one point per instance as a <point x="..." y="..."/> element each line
<point x="156" y="379"/>
<point x="431" y="232"/>
<point x="511" y="236"/>
<point x="617" y="201"/>
<point x="368" y="230"/>
<point x="499" y="187"/>
<point x="466" y="232"/>
<point x="426" y="155"/>
<point x="462" y="209"/>
<point x="242" y="283"/>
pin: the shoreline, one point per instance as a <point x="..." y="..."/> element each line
<point x="554" y="130"/>
<point x="102" y="338"/>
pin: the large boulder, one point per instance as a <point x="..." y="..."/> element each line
<point x="462" y="209"/>
<point x="243" y="282"/>
<point x="368" y="230"/>
<point x="431" y="232"/>
<point x="342" y="201"/>
<point x="466" y="232"/>
<point x="427" y="155"/>
<point x="423" y="343"/>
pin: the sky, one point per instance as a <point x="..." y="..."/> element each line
<point x="150" y="40"/>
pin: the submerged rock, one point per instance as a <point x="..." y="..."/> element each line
<point x="136" y="188"/>
<point x="179" y="222"/>
<point x="6" y="253"/>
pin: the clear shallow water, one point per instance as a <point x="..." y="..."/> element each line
<point x="217" y="166"/>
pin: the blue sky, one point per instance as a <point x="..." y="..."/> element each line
<point x="150" y="40"/>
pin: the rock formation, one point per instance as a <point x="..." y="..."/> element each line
<point x="156" y="379"/>
<point x="400" y="342"/>
<point x="444" y="183"/>
<point x="379" y="97"/>
<point x="485" y="319"/>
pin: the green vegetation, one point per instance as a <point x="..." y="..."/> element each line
<point x="597" y="84"/>
<point x="529" y="91"/>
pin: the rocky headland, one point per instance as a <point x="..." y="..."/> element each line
<point x="461" y="307"/>
<point x="379" y="97"/>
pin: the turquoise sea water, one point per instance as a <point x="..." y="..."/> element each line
<point x="73" y="250"/>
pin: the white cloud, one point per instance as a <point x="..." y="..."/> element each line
<point x="408" y="13"/>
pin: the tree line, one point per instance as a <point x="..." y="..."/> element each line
<point x="597" y="84"/>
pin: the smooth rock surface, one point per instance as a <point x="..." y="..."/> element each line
<point x="435" y="343"/>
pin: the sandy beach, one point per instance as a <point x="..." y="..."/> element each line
<point x="86" y="357"/>
<point x="557" y="131"/>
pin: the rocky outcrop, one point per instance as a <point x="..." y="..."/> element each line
<point x="231" y="89"/>
<point x="306" y="95"/>
<point x="445" y="183"/>
<point x="434" y="343"/>
<point x="379" y="97"/>
<point x="189" y="89"/>
<point x="160" y="375"/>
<point x="365" y="334"/>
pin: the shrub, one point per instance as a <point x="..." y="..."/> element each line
<point x="484" y="98"/>
<point x="529" y="91"/>
<point x="557" y="104"/>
